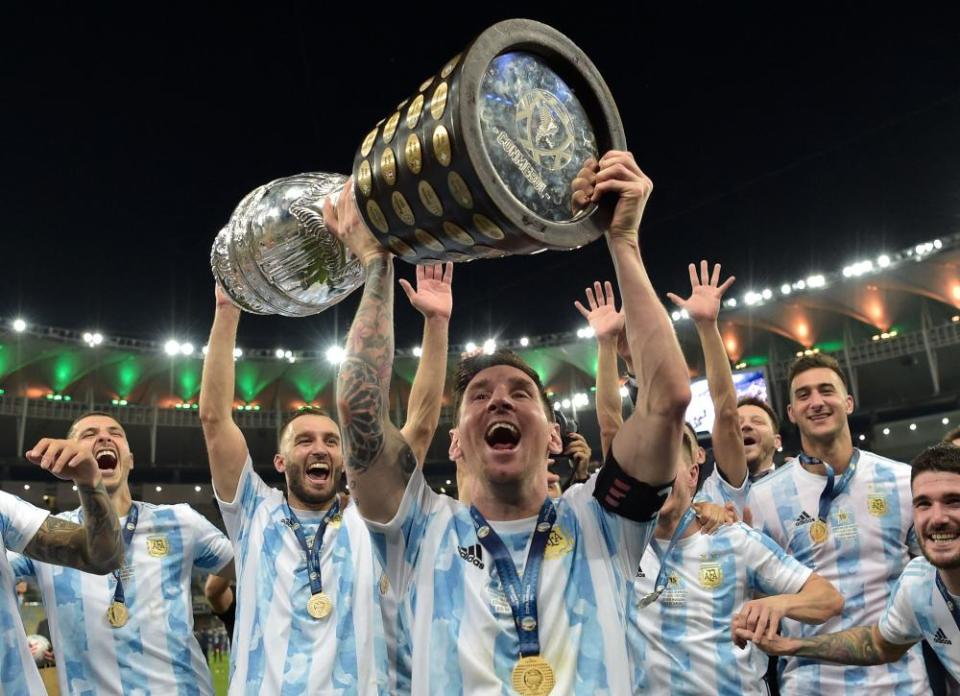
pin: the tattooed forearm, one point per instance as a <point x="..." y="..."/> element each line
<point x="857" y="646"/>
<point x="371" y="334"/>
<point x="95" y="547"/>
<point x="360" y="400"/>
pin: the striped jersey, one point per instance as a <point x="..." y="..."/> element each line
<point x="455" y="625"/>
<point x="716" y="489"/>
<point x="278" y="648"/>
<point x="681" y="643"/>
<point x="19" y="521"/>
<point x="155" y="652"/>
<point x="869" y="542"/>
<point x="916" y="611"/>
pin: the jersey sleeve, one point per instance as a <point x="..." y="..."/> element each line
<point x="898" y="622"/>
<point x="21" y="566"/>
<point x="718" y="490"/>
<point x="251" y="492"/>
<point x="397" y="543"/>
<point x="772" y="570"/>
<point x="212" y="550"/>
<point x="19" y="521"/>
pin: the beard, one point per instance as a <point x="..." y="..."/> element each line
<point x="950" y="563"/>
<point x="297" y="485"/>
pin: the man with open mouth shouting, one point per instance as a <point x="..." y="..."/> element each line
<point x="309" y="594"/>
<point x="517" y="590"/>
<point x="130" y="631"/>
<point x="925" y="604"/>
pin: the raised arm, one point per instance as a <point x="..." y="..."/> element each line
<point x="433" y="298"/>
<point x="379" y="462"/>
<point x="607" y="324"/>
<point x="863" y="645"/>
<point x="703" y="306"/>
<point x="226" y="447"/>
<point x="95" y="546"/>
<point x="647" y="444"/>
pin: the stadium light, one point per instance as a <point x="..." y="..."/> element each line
<point x="524" y="341"/>
<point x="171" y="347"/>
<point x="335" y="355"/>
<point x="417" y="351"/>
<point x="19" y="325"/>
<point x="489" y="347"/>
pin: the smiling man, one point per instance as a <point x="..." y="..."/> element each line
<point x="515" y="591"/>
<point x="925" y="604"/>
<point x="846" y="514"/>
<point x="130" y="631"/>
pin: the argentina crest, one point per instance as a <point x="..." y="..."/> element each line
<point x="157" y="545"/>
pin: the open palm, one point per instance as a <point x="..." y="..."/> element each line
<point x="706" y="293"/>
<point x="433" y="297"/>
<point x="602" y="315"/>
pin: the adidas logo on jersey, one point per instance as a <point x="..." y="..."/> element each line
<point x="941" y="637"/>
<point x="803" y="519"/>
<point x="640" y="573"/>
<point x="472" y="554"/>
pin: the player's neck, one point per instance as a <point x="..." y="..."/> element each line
<point x="951" y="578"/>
<point x="837" y="452"/>
<point x="122" y="500"/>
<point x="667" y="523"/>
<point x="758" y="467"/>
<point x="512" y="501"/>
<point x="297" y="504"/>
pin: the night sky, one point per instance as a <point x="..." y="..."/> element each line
<point x="781" y="142"/>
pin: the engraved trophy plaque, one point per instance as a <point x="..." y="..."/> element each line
<point x="477" y="163"/>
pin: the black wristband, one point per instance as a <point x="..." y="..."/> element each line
<point x="623" y="495"/>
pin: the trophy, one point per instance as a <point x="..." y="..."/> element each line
<point x="478" y="163"/>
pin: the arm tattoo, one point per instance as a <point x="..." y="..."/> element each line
<point x="360" y="400"/>
<point x="855" y="646"/>
<point x="95" y="547"/>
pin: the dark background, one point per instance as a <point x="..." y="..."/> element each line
<point x="781" y="140"/>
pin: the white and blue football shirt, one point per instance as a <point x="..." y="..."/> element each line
<point x="716" y="489"/>
<point x="869" y="543"/>
<point x="455" y="622"/>
<point x="682" y="643"/>
<point x="916" y="611"/>
<point x="155" y="652"/>
<point x="278" y="648"/>
<point x="19" y="521"/>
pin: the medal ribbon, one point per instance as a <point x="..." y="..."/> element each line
<point x="661" y="584"/>
<point x="521" y="593"/>
<point x="951" y="603"/>
<point x="128" y="529"/>
<point x="833" y="487"/>
<point x="313" y="551"/>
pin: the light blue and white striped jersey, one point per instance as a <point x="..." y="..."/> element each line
<point x="155" y="652"/>
<point x="455" y="626"/>
<point x="278" y="648"/>
<point x="19" y="521"/>
<point x="682" y="643"/>
<point x="870" y="541"/>
<point x="916" y="611"/>
<point x="716" y="489"/>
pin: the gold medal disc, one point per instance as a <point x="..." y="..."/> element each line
<point x="319" y="606"/>
<point x="117" y="614"/>
<point x="818" y="532"/>
<point x="532" y="676"/>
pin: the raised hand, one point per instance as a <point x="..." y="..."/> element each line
<point x="222" y="298"/>
<point x="346" y="224"/>
<point x="703" y="305"/>
<point x="66" y="459"/>
<point x="607" y="323"/>
<point x="433" y="297"/>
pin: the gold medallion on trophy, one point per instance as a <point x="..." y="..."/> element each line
<point x="320" y="606"/>
<point x="117" y="614"/>
<point x="532" y="676"/>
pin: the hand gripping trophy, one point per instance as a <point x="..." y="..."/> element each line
<point x="478" y="163"/>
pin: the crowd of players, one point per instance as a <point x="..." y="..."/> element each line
<point x="648" y="576"/>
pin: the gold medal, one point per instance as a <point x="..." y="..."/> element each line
<point x="117" y="614"/>
<point x="532" y="676"/>
<point x="818" y="532"/>
<point x="319" y="606"/>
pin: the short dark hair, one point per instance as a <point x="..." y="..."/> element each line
<point x="951" y="435"/>
<point x="470" y="366"/>
<point x="811" y="362"/>
<point x="940" y="457"/>
<point x="762" y="405"/>
<point x="305" y="411"/>
<point x="88" y="414"/>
